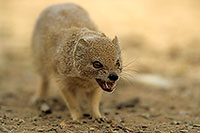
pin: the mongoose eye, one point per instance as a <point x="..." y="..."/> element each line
<point x="97" y="64"/>
<point x="118" y="63"/>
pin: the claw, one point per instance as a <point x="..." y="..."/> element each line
<point x="103" y="120"/>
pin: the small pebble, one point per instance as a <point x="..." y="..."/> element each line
<point x="175" y="123"/>
<point x="143" y="126"/>
<point x="184" y="131"/>
<point x="33" y="129"/>
<point x="21" y="121"/>
<point x="113" y="125"/>
<point x="86" y="115"/>
<point x="107" y="111"/>
<point x="52" y="129"/>
<point x="90" y="118"/>
<point x="14" y="127"/>
<point x="45" y="108"/>
<point x="109" y="121"/>
<point x="196" y="125"/>
<point x="34" y="123"/>
<point x="146" y="115"/>
<point x="91" y="129"/>
<point x="84" y="122"/>
<point x="40" y="130"/>
<point x="120" y="127"/>
<point x="116" y="129"/>
<point x="107" y="126"/>
<point x="116" y="113"/>
<point x="16" y="119"/>
<point x="4" y="129"/>
<point x="4" y="117"/>
<point x="58" y="117"/>
<point x="55" y="125"/>
<point x="122" y="121"/>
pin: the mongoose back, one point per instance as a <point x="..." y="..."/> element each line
<point x="67" y="45"/>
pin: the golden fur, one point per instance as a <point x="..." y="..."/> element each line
<point x="65" y="43"/>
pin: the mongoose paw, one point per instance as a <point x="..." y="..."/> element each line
<point x="76" y="116"/>
<point x="76" y="119"/>
<point x="102" y="120"/>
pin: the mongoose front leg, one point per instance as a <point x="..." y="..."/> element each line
<point x="42" y="91"/>
<point x="72" y="103"/>
<point x="95" y="100"/>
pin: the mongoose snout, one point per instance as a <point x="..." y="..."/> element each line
<point x="108" y="86"/>
<point x="113" y="77"/>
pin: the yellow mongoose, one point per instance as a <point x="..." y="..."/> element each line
<point x="67" y="45"/>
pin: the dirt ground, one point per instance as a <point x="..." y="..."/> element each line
<point x="159" y="89"/>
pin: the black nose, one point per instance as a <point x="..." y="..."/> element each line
<point x="113" y="76"/>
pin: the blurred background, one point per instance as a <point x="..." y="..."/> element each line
<point x="160" y="43"/>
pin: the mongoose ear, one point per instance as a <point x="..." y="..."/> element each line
<point x="103" y="34"/>
<point x="115" y="40"/>
<point x="83" y="42"/>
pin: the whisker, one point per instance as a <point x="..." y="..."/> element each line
<point x="128" y="81"/>
<point x="130" y="70"/>
<point x="129" y="63"/>
<point x="128" y="73"/>
<point x="128" y="77"/>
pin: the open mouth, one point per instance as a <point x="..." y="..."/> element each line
<point x="106" y="86"/>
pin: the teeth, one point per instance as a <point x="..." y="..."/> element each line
<point x="113" y="85"/>
<point x="106" y="85"/>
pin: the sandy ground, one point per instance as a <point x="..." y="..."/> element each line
<point x="158" y="92"/>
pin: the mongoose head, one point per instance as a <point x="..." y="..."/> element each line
<point x="98" y="57"/>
